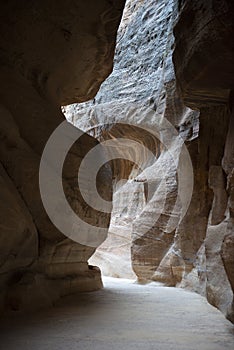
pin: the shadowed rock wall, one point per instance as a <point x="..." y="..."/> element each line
<point x="51" y="53"/>
<point x="204" y="63"/>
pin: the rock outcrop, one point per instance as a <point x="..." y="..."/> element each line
<point x="143" y="79"/>
<point x="50" y="55"/>
<point x="204" y="63"/>
<point x="195" y="250"/>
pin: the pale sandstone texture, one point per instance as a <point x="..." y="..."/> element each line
<point x="51" y="53"/>
<point x="195" y="251"/>
<point x="142" y="92"/>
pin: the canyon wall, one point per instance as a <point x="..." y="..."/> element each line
<point x="204" y="63"/>
<point x="49" y="56"/>
<point x="194" y="250"/>
<point x="60" y="55"/>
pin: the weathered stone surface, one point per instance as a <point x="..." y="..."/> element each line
<point x="50" y="55"/>
<point x="206" y="151"/>
<point x="228" y="242"/>
<point x="60" y="54"/>
<point x="19" y="245"/>
<point x="143" y="76"/>
<point x="114" y="255"/>
<point x="19" y="239"/>
<point x="204" y="61"/>
<point x="198" y="252"/>
<point x="204" y="51"/>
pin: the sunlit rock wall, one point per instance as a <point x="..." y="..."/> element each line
<point x="194" y="251"/>
<point x="143" y="79"/>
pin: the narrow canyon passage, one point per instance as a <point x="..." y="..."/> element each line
<point x="123" y="315"/>
<point x="117" y="160"/>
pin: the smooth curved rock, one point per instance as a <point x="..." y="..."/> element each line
<point x="204" y="61"/>
<point x="49" y="55"/>
<point x="192" y="255"/>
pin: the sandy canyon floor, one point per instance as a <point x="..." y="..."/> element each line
<point x="124" y="316"/>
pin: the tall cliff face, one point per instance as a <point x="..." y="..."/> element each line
<point x="194" y="251"/>
<point x="143" y="77"/>
<point x="204" y="62"/>
<point x="49" y="55"/>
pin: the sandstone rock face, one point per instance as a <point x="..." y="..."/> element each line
<point x="194" y="251"/>
<point x="143" y="79"/>
<point x="204" y="58"/>
<point x="50" y="55"/>
<point x="203" y="48"/>
<point x="228" y="242"/>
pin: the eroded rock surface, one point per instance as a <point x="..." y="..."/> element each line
<point x="194" y="251"/>
<point x="143" y="81"/>
<point x="50" y="55"/>
<point x="204" y="58"/>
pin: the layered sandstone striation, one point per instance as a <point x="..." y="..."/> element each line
<point x="50" y="55"/>
<point x="194" y="250"/>
<point x="60" y="54"/>
<point x="141" y="92"/>
<point x="204" y="63"/>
